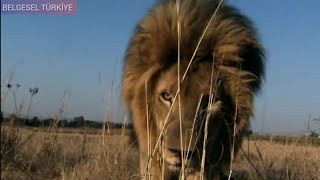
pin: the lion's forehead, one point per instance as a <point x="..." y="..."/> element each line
<point x="196" y="81"/>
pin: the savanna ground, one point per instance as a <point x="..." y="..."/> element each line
<point x="56" y="153"/>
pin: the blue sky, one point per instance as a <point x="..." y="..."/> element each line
<point x="70" y="52"/>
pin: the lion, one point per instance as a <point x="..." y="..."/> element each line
<point x="191" y="72"/>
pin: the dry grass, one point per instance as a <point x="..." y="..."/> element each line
<point x="270" y="160"/>
<point x="30" y="154"/>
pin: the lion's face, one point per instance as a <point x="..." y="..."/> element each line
<point x="187" y="135"/>
<point x="223" y="99"/>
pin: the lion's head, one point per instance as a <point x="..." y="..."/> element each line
<point x="196" y="96"/>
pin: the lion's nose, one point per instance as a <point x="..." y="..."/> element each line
<point x="173" y="156"/>
<point x="173" y="139"/>
<point x="185" y="153"/>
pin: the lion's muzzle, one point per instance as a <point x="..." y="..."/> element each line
<point x="185" y="139"/>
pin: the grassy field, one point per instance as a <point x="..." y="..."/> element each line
<point x="81" y="154"/>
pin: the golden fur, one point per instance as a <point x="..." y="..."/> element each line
<point x="230" y="45"/>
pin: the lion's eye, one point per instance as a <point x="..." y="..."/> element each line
<point x="166" y="96"/>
